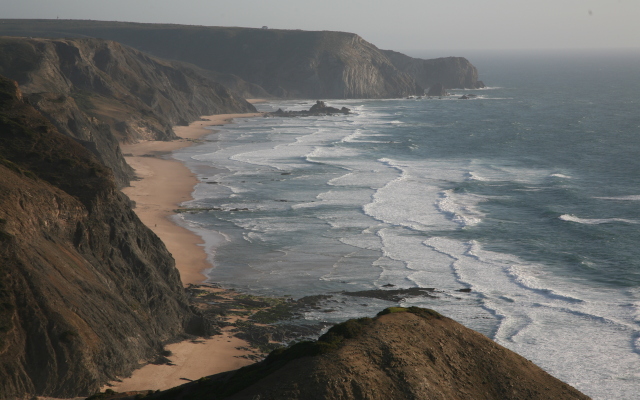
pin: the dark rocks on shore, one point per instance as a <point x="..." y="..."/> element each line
<point x="395" y="295"/>
<point x="318" y="109"/>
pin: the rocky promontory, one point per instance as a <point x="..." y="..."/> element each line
<point x="450" y="72"/>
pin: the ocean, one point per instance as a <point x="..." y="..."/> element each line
<point x="527" y="194"/>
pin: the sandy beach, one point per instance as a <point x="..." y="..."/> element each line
<point x="163" y="184"/>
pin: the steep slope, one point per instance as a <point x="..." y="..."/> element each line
<point x="86" y="290"/>
<point x="63" y="112"/>
<point x="99" y="92"/>
<point x="451" y="72"/>
<point x="234" y="83"/>
<point x="403" y="354"/>
<point x="286" y="63"/>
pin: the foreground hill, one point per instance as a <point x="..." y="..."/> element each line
<point x="402" y="354"/>
<point x="86" y="290"/>
<point x="286" y="63"/>
<point x="100" y="92"/>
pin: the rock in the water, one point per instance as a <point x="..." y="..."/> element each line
<point x="318" y="109"/>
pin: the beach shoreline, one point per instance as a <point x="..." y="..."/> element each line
<point x="163" y="184"/>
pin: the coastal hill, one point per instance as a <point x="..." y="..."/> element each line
<point x="403" y="353"/>
<point x="87" y="291"/>
<point x="100" y="93"/>
<point x="285" y="63"/>
<point x="450" y="72"/>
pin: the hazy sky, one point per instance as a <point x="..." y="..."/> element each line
<point x="398" y="24"/>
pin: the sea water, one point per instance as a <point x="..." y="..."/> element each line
<point x="528" y="194"/>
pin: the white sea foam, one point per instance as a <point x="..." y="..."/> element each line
<point x="474" y="176"/>
<point x="595" y="221"/>
<point x="461" y="207"/>
<point x="353" y="221"/>
<point x="561" y="176"/>
<point x="553" y="326"/>
<point x="621" y="198"/>
<point x="481" y="170"/>
<point x="488" y="88"/>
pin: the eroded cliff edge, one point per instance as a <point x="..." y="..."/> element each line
<point x="87" y="292"/>
<point x="100" y="92"/>
<point x="281" y="63"/>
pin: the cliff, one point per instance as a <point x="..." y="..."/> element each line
<point x="451" y="72"/>
<point x="87" y="292"/>
<point x="100" y="92"/>
<point x="401" y="354"/>
<point x="286" y="63"/>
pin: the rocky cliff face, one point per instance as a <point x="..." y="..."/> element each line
<point x="86" y="290"/>
<point x="285" y="63"/>
<point x="99" y="92"/>
<point x="451" y="72"/>
<point x="404" y="354"/>
<point x="63" y="112"/>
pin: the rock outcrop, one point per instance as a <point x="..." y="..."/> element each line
<point x="87" y="292"/>
<point x="401" y="354"/>
<point x="451" y="72"/>
<point x="318" y="109"/>
<point x="100" y="92"/>
<point x="286" y="63"/>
